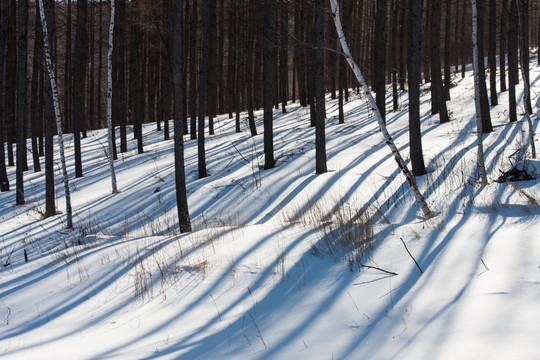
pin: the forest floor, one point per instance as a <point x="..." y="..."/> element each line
<point x="283" y="263"/>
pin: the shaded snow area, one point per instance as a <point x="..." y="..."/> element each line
<point x="283" y="263"/>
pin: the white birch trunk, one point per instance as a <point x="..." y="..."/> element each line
<point x="48" y="62"/>
<point x="526" y="90"/>
<point x="480" y="152"/>
<point x="109" y="99"/>
<point x="388" y="139"/>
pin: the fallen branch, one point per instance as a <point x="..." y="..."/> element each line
<point x="376" y="268"/>
<point x="412" y="257"/>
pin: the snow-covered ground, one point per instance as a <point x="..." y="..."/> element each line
<point x="259" y="277"/>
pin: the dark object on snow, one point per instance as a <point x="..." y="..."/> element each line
<point x="514" y="174"/>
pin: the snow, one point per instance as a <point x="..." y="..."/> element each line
<point x="257" y="279"/>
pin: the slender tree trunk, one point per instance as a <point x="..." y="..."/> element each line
<point x="379" y="63"/>
<point x="202" y="90"/>
<point x="320" y="137"/>
<point x="110" y="127"/>
<point x="464" y="49"/>
<point x="50" y="203"/>
<point x="213" y="61"/>
<point x="523" y="40"/>
<point x="22" y="50"/>
<point x="179" y="171"/>
<point x="388" y="139"/>
<point x="513" y="22"/>
<point x="4" y="181"/>
<point x="269" y="80"/>
<point x="119" y="75"/>
<point x="283" y="58"/>
<point x="10" y="97"/>
<point x="249" y="71"/>
<point x="477" y="91"/>
<point x="447" y="45"/>
<point x="36" y="112"/>
<point x="68" y="77"/>
<point x="438" y="101"/>
<point x="492" y="59"/>
<point x="503" y="40"/>
<point x="484" y="101"/>
<point x="79" y="71"/>
<point x="48" y="60"/>
<point x="415" y="77"/>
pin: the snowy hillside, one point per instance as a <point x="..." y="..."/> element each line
<point x="261" y="276"/>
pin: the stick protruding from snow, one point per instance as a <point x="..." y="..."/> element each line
<point x="388" y="139"/>
<point x="48" y="62"/>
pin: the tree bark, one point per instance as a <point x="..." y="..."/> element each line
<point x="22" y="50"/>
<point x="179" y="171"/>
<point x="379" y="63"/>
<point x="201" y="152"/>
<point x="4" y="180"/>
<point x="110" y="127"/>
<point x="269" y="81"/>
<point x="492" y="59"/>
<point x="415" y="77"/>
<point x="79" y="79"/>
<point x="382" y="126"/>
<point x="320" y="137"/>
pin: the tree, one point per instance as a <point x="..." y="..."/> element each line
<point x="36" y="95"/>
<point x="110" y="128"/>
<point x="415" y="135"/>
<point x="22" y="50"/>
<point x="503" y="45"/>
<point x="119" y="74"/>
<point x="512" y="60"/>
<point x="4" y="181"/>
<point x="269" y="80"/>
<point x="438" y="100"/>
<point x="382" y="126"/>
<point x="492" y="52"/>
<point x="477" y="90"/>
<point x="201" y="152"/>
<point x="379" y="63"/>
<point x="80" y="58"/>
<point x="487" y="127"/>
<point x="179" y="171"/>
<point x="48" y="62"/>
<point x="320" y="139"/>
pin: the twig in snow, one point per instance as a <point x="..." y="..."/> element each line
<point x="412" y="257"/>
<point x="376" y="268"/>
<point x="483" y="263"/>
<point x="216" y="307"/>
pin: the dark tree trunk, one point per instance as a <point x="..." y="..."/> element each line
<point x="484" y="101"/>
<point x="269" y="80"/>
<point x="179" y="171"/>
<point x="10" y="97"/>
<point x="22" y="50"/>
<point x="202" y="90"/>
<point x="415" y="135"/>
<point x="80" y="60"/>
<point x="36" y="106"/>
<point x="4" y="181"/>
<point x="193" y="70"/>
<point x="320" y="138"/>
<point x="438" y="101"/>
<point x="465" y="50"/>
<point x="393" y="56"/>
<point x="379" y="63"/>
<point x="447" y="45"/>
<point x="512" y="59"/>
<point x="213" y="61"/>
<point x="283" y="58"/>
<point x="136" y="76"/>
<point x="524" y="47"/>
<point x="68" y="77"/>
<point x="50" y="204"/>
<point x="492" y="59"/>
<point x="249" y="72"/>
<point x="503" y="42"/>
<point x="119" y="74"/>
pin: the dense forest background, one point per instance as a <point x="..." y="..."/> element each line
<point x="232" y="51"/>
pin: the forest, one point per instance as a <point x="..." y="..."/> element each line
<point x="239" y="55"/>
<point x="269" y="179"/>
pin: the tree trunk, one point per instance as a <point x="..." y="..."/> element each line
<point x="438" y="101"/>
<point x="447" y="45"/>
<point x="523" y="9"/>
<point x="269" y="80"/>
<point x="79" y="78"/>
<point x="382" y="126"/>
<point x="36" y="106"/>
<point x="484" y="101"/>
<point x="492" y="59"/>
<point x="22" y="50"/>
<point x="415" y="77"/>
<point x="179" y="171"/>
<point x="512" y="60"/>
<point x="110" y="127"/>
<point x="503" y="40"/>
<point x="193" y="69"/>
<point x="476" y="28"/>
<point x="48" y="61"/>
<point x="119" y="74"/>
<point x="202" y="90"/>
<point x="50" y="203"/>
<point x="320" y="138"/>
<point x="379" y="63"/>
<point x="4" y="181"/>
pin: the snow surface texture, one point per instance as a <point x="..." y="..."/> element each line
<point x="253" y="280"/>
